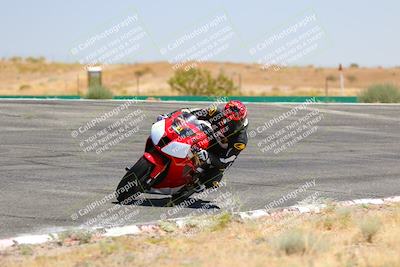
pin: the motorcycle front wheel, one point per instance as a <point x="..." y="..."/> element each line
<point x="133" y="181"/>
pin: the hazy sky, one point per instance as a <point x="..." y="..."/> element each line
<point x="364" y="32"/>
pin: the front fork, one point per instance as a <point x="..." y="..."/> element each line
<point x="159" y="167"/>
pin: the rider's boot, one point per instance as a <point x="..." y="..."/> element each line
<point x="186" y="191"/>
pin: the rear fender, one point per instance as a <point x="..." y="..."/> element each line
<point x="159" y="165"/>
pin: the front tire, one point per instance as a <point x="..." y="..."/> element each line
<point x="134" y="181"/>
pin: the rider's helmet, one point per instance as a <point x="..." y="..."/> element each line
<point x="235" y="113"/>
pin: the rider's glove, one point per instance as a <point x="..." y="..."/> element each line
<point x="203" y="156"/>
<point x="162" y="117"/>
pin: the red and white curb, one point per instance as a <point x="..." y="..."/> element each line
<point x="317" y="207"/>
<point x="181" y="222"/>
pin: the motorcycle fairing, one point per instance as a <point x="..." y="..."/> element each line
<point x="168" y="148"/>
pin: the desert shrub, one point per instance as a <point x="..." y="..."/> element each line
<point x="343" y="216"/>
<point x="276" y="91"/>
<point x="354" y="65"/>
<point x="98" y="92"/>
<point x="310" y="92"/>
<point x="200" y="82"/>
<point x="351" y="78"/>
<point x="336" y="217"/>
<point x="80" y="236"/>
<point x="25" y="249"/>
<point x="380" y="93"/>
<point x="35" y="59"/>
<point x="292" y="242"/>
<point x="107" y="247"/>
<point x="330" y="206"/>
<point x="328" y="222"/>
<point x="369" y="227"/>
<point x="318" y="69"/>
<point x="15" y="59"/>
<point x="331" y="78"/>
<point x="221" y="221"/>
<point x="24" y="87"/>
<point x="295" y="241"/>
<point x="167" y="226"/>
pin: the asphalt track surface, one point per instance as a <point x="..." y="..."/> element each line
<point x="46" y="178"/>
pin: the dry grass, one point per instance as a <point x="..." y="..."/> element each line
<point x="352" y="239"/>
<point x="38" y="78"/>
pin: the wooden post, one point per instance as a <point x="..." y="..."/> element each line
<point x="240" y="82"/>
<point x="341" y="79"/>
<point x="137" y="85"/>
<point x="326" y="86"/>
<point x="77" y="84"/>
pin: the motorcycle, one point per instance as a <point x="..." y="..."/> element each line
<point x="169" y="164"/>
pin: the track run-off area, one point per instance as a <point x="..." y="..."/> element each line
<point x="61" y="160"/>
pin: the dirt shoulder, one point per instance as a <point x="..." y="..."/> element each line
<point x="365" y="235"/>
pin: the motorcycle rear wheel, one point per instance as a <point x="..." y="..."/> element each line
<point x="134" y="181"/>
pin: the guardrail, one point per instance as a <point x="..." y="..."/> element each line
<point x="270" y="99"/>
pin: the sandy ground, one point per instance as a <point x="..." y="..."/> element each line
<point x="41" y="78"/>
<point x="338" y="236"/>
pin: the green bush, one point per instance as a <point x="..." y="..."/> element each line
<point x="200" y="82"/>
<point x="380" y="93"/>
<point x="99" y="92"/>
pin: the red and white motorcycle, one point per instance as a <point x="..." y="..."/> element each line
<point x="169" y="163"/>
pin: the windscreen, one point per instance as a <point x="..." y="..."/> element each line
<point x="180" y="124"/>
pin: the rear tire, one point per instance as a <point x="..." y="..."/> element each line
<point x="134" y="181"/>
